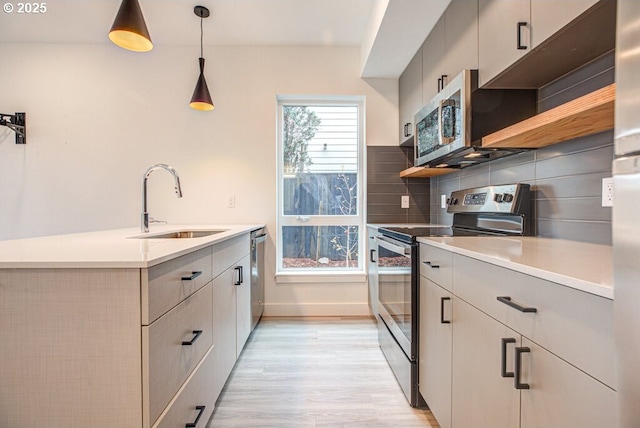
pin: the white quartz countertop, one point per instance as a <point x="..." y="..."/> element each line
<point x="118" y="248"/>
<point x="583" y="266"/>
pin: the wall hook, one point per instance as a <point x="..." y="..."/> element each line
<point x="18" y="123"/>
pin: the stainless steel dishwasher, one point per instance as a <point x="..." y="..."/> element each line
<point x="258" y="237"/>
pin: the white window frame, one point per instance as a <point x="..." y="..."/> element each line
<point x="316" y="220"/>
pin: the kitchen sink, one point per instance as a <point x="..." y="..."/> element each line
<point x="180" y="234"/>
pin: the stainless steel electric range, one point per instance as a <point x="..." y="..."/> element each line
<point x="484" y="211"/>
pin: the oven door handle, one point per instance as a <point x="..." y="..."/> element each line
<point x="405" y="251"/>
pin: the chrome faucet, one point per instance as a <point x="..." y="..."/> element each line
<point x="144" y="224"/>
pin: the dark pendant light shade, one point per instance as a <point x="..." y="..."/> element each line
<point x="201" y="98"/>
<point x="129" y="31"/>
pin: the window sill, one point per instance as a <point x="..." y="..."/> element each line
<point x="320" y="277"/>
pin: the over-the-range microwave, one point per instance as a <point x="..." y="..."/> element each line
<point x="449" y="128"/>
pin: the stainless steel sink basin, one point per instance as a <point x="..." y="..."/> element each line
<point x="180" y="234"/>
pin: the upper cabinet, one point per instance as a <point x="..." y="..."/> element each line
<point x="410" y="91"/>
<point x="509" y="29"/>
<point x="452" y="46"/>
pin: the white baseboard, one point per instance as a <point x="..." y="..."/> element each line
<point x="316" y="309"/>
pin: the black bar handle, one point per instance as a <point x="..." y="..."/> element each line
<point x="507" y="301"/>
<point x="431" y="265"/>
<point x="193" y="276"/>
<point x="520" y="45"/>
<point x="442" y="320"/>
<point x="518" y="369"/>
<point x="193" y="424"/>
<point x="503" y="357"/>
<point x="371" y="252"/>
<point x="197" y="334"/>
<point x="439" y="83"/>
<point x="444" y="78"/>
<point x="240" y="280"/>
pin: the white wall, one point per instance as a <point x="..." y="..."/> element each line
<point x="98" y="116"/>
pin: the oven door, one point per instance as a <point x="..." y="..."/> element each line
<point x="396" y="277"/>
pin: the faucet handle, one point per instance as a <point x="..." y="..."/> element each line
<point x="153" y="220"/>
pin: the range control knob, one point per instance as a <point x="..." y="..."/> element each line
<point x="498" y="197"/>
<point x="508" y="197"/>
<point x="454" y="201"/>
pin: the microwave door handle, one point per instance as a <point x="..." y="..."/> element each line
<point x="440" y="130"/>
<point x="444" y="140"/>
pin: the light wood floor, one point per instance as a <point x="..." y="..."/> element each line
<point x="318" y="372"/>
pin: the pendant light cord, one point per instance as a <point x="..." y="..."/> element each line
<point x="201" y="32"/>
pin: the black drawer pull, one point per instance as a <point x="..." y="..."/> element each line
<point x="520" y="45"/>
<point x="371" y="253"/>
<point x="193" y="424"/>
<point x="507" y="301"/>
<point x="503" y="358"/>
<point x="431" y="265"/>
<point x="193" y="276"/>
<point x="197" y="334"/>
<point x="240" y="280"/>
<point x="442" y="320"/>
<point x="518" y="368"/>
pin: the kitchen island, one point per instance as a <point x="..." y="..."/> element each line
<point x="121" y="329"/>
<point x="517" y="331"/>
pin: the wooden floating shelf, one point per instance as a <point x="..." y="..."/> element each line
<point x="419" y="171"/>
<point x="589" y="114"/>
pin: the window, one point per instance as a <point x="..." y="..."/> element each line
<point x="320" y="189"/>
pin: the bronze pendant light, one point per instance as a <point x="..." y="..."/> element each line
<point x="201" y="99"/>
<point x="129" y="31"/>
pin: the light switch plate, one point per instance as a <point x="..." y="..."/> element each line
<point x="443" y="201"/>
<point x="404" y="201"/>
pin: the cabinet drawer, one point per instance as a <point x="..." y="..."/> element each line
<point x="172" y="348"/>
<point x="435" y="264"/>
<point x="167" y="284"/>
<point x="574" y="325"/>
<point x="228" y="252"/>
<point x="196" y="392"/>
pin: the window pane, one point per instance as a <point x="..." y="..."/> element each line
<point x="320" y="194"/>
<point x="319" y="247"/>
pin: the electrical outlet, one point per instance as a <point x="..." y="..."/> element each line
<point x="231" y="201"/>
<point x="443" y="201"/>
<point x="404" y="201"/>
<point x="607" y="192"/>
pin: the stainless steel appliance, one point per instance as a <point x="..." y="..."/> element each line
<point x="626" y="227"/>
<point x="256" y="261"/>
<point x="483" y="211"/>
<point x="450" y="126"/>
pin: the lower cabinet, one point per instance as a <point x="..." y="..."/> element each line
<point x="123" y="347"/>
<point x="486" y="363"/>
<point x="231" y="308"/>
<point x="435" y="349"/>
<point x="481" y="396"/>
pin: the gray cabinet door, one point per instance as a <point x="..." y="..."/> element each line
<point x="547" y="17"/>
<point x="410" y="92"/>
<point x="435" y="349"/>
<point x="432" y="57"/>
<point x="498" y="35"/>
<point x="560" y="395"/>
<point x="481" y="397"/>
<point x="460" y="37"/>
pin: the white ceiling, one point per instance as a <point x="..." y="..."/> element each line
<point x="385" y="29"/>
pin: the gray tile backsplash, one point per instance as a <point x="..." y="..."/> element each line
<point x="565" y="178"/>
<point x="384" y="187"/>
